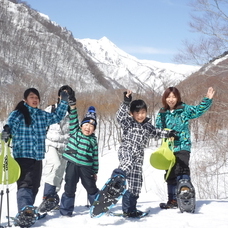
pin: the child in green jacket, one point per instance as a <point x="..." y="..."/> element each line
<point x="82" y="155"/>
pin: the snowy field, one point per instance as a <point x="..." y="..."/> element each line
<point x="208" y="214"/>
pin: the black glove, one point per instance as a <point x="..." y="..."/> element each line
<point x="5" y="133"/>
<point x="64" y="96"/>
<point x="72" y="99"/>
<point x="172" y="134"/>
<point x="127" y="100"/>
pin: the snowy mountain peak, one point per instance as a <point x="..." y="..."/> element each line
<point x="118" y="65"/>
<point x="104" y="40"/>
<point x="104" y="51"/>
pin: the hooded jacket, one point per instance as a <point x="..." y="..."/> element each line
<point x="178" y="120"/>
<point x="29" y="141"/>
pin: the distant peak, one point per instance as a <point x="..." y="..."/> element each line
<point x="104" y="38"/>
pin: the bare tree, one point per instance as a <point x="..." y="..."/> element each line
<point x="210" y="19"/>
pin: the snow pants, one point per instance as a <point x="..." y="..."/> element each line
<point x="129" y="200"/>
<point x="72" y="176"/>
<point x="179" y="171"/>
<point x="54" y="169"/>
<point x="132" y="166"/>
<point x="28" y="182"/>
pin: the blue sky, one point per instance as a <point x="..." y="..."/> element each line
<point x="146" y="29"/>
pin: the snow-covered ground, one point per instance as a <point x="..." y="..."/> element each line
<point x="208" y="214"/>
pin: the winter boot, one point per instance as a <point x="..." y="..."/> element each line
<point x="133" y="214"/>
<point x="49" y="203"/>
<point x="171" y="204"/>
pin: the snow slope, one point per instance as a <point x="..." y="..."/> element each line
<point x="209" y="213"/>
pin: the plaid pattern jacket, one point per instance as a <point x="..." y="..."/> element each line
<point x="29" y="141"/>
<point x="135" y="138"/>
<point x="136" y="135"/>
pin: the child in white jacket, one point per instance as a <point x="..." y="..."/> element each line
<point x="54" y="166"/>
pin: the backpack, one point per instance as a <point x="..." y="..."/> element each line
<point x="163" y="158"/>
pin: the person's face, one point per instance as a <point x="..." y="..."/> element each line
<point x="171" y="100"/>
<point x="32" y="100"/>
<point x="87" y="129"/>
<point x="139" y="116"/>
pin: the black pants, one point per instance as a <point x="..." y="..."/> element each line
<point x="179" y="171"/>
<point x="180" y="168"/>
<point x="85" y="173"/>
<point x="29" y="182"/>
<point x="73" y="173"/>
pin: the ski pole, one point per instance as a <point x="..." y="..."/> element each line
<point x="2" y="193"/>
<point x="7" y="179"/>
<point x="3" y="178"/>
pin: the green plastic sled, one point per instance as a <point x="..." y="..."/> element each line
<point x="9" y="169"/>
<point x="163" y="158"/>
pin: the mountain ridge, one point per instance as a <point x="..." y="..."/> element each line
<point x="117" y="63"/>
<point x="37" y="52"/>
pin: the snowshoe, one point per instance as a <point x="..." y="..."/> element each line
<point x="108" y="196"/>
<point x="186" y="196"/>
<point x="26" y="217"/>
<point x="49" y="203"/>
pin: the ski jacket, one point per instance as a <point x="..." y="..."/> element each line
<point x="29" y="141"/>
<point x="81" y="149"/>
<point x="58" y="133"/>
<point x="135" y="135"/>
<point x="178" y="120"/>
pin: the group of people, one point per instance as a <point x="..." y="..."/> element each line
<point x="71" y="147"/>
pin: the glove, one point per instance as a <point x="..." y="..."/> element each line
<point x="72" y="99"/>
<point x="64" y="96"/>
<point x="172" y="134"/>
<point x="127" y="100"/>
<point x="5" y="133"/>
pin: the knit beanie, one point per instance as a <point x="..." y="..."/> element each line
<point x="90" y="117"/>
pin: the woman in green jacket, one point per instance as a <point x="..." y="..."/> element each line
<point x="175" y="115"/>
